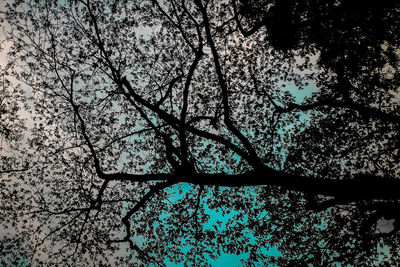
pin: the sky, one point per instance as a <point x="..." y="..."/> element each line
<point x="224" y="259"/>
<point x="4" y="46"/>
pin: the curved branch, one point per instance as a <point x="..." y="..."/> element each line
<point x="252" y="154"/>
<point x="363" y="187"/>
<point x="125" y="220"/>
<point x="246" y="33"/>
<point x="364" y="110"/>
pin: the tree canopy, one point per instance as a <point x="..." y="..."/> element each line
<point x="151" y="117"/>
<point x="12" y="126"/>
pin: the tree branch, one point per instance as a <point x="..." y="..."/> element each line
<point x="254" y="161"/>
<point x="246" y="33"/>
<point x="362" y="109"/>
<point x="125" y="220"/>
<point x="364" y="187"/>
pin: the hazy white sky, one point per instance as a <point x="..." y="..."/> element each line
<point x="4" y="45"/>
<point x="3" y="53"/>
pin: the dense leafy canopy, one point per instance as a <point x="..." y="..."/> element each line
<point x="11" y="125"/>
<point x="151" y="117"/>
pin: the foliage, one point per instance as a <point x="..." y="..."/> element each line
<point x="151" y="115"/>
<point x="12" y="126"/>
<point x="10" y="253"/>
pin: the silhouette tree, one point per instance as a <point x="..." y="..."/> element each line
<point x="11" y="254"/>
<point x="11" y="126"/>
<point x="152" y="115"/>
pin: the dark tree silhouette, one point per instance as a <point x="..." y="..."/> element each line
<point x="11" y="126"/>
<point x="11" y="254"/>
<point x="151" y="114"/>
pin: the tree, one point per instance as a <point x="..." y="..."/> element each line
<point x="10" y="253"/>
<point x="150" y="114"/>
<point x="12" y="126"/>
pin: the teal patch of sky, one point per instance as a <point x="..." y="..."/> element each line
<point x="220" y="219"/>
<point x="300" y="93"/>
<point x="14" y="258"/>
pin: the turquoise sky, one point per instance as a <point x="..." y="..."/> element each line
<point x="233" y="260"/>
